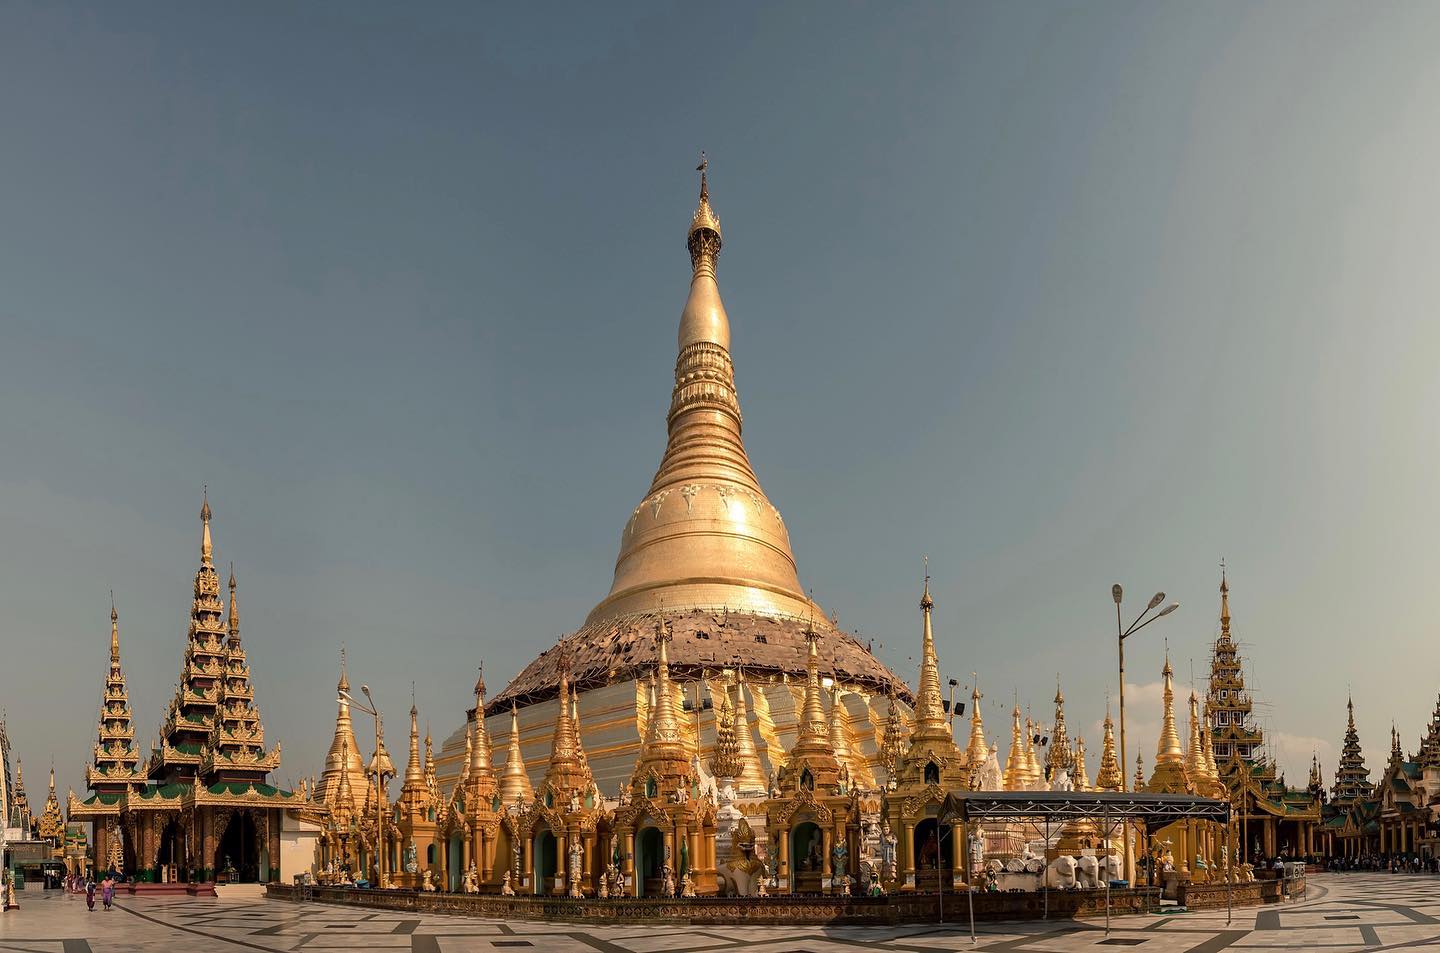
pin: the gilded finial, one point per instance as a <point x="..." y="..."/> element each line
<point x="704" y="239"/>
<point x="114" y="633"/>
<point x="480" y="682"/>
<point x="925" y="601"/>
<point x="207" y="549"/>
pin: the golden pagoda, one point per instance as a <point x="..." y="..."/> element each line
<point x="343" y="789"/>
<point x="1109" y="777"/>
<point x="812" y="807"/>
<point x="1017" y="775"/>
<point x="1168" y="776"/>
<point x="665" y="829"/>
<point x="415" y="817"/>
<point x="708" y="546"/>
<point x="556" y="829"/>
<point x="977" y="752"/>
<point x="932" y="766"/>
<point x="1059" y="757"/>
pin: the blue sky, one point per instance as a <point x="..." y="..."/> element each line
<point x="1058" y="294"/>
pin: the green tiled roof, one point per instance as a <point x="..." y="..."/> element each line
<point x="240" y="787"/>
<point x="164" y="790"/>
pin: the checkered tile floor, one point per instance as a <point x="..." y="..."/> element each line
<point x="1361" y="912"/>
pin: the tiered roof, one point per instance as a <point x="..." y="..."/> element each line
<point x="1237" y="744"/>
<point x="116" y="765"/>
<point x="236" y="749"/>
<point x="1352" y="778"/>
<point x="1429" y="756"/>
<point x="212" y="728"/>
<point x="1237" y="741"/>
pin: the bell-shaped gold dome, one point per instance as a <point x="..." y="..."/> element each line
<point x="705" y="535"/>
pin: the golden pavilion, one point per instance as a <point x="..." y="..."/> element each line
<point x="200" y="809"/>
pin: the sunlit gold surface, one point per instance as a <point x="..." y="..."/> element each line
<point x="705" y="535"/>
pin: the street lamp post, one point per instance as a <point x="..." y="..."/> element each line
<point x="1123" y="633"/>
<point x="382" y="767"/>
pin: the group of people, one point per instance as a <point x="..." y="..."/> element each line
<point x="1395" y="864"/>
<point x="89" y="887"/>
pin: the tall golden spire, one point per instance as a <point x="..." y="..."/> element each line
<point x="414" y="769"/>
<point x="1016" y="770"/>
<point x="840" y="729"/>
<point x="1109" y="777"/>
<point x="1224" y="603"/>
<point x="705" y="535"/>
<point x="1195" y="753"/>
<point x="480" y="758"/>
<point x="751" y="776"/>
<point x="344" y="768"/>
<point x="1059" y="756"/>
<point x="207" y="549"/>
<point x="569" y="770"/>
<point x="1033" y="772"/>
<point x="812" y="759"/>
<point x="664" y="727"/>
<point x="1210" y="770"/>
<point x="563" y="744"/>
<point x="664" y="753"/>
<point x="813" y="727"/>
<point x="234" y="618"/>
<point x="1169" y="775"/>
<point x="1168" y="751"/>
<point x="115" y="633"/>
<point x="930" y="721"/>
<point x="575" y="720"/>
<point x="1082" y="772"/>
<point x="977" y="751"/>
<point x="515" y="783"/>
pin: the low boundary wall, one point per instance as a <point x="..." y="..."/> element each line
<point x="1256" y="893"/>
<point x="710" y="911"/>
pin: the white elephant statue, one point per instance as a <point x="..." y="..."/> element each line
<point x="1087" y="872"/>
<point x="1062" y="873"/>
<point x="1114" y="868"/>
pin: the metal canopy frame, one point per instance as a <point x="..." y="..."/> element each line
<point x="1155" y="810"/>
<point x="1117" y="807"/>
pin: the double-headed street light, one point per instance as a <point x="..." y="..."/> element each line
<point x="1123" y="633"/>
<point x="382" y="767"/>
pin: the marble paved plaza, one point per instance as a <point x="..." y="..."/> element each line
<point x="1363" y="912"/>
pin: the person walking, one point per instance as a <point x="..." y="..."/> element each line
<point x="90" y="894"/>
<point x="107" y="890"/>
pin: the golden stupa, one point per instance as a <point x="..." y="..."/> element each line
<point x="706" y="555"/>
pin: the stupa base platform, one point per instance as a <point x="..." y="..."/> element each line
<point x="175" y="889"/>
<point x="775" y="910"/>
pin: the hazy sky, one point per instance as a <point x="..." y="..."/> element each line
<point x="1059" y="294"/>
